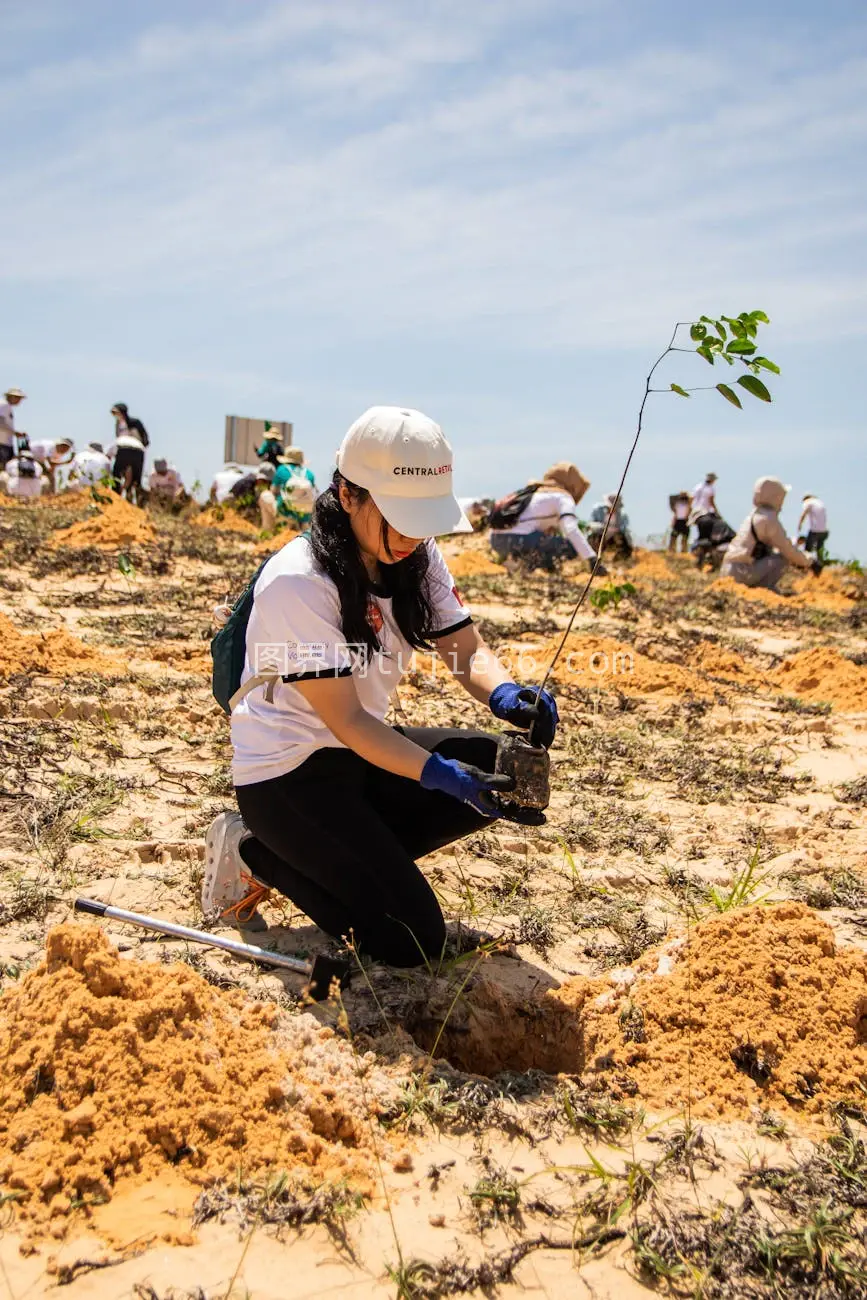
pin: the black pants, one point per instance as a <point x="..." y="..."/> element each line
<point x="340" y="837"/>
<point x="6" y="454"/>
<point x="127" y="469"/>
<point x="815" y="541"/>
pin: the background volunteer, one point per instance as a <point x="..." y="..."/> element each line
<point x="224" y="480"/>
<point x="548" y="526"/>
<point x="814" y="514"/>
<point x="336" y="804"/>
<point x="88" y="467"/>
<point x="22" y="476"/>
<point x="12" y="397"/>
<point x="294" y="487"/>
<point x="54" y="455"/>
<point x="704" y="497"/>
<point x="165" y="484"/>
<point x="127" y="451"/>
<point x="760" y="550"/>
<point x="681" y="507"/>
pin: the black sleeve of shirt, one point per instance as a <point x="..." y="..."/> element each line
<point x="317" y="674"/>
<point x="455" y="627"/>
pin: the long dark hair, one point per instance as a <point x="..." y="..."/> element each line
<point x="336" y="551"/>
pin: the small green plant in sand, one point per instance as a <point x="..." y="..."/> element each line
<point x="611" y="594"/>
<point x="742" y="889"/>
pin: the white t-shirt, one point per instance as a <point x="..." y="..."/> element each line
<point x="87" y="468"/>
<point x="816" y="516"/>
<point x="16" y="486"/>
<point x="224" y="481"/>
<point x="7" y="424"/>
<point x="703" y="497"/>
<point x="168" y="484"/>
<point x="681" y="509"/>
<point x="294" y="630"/>
<point x="43" y="448"/>
<point x="125" y="438"/>
<point x="549" y="509"/>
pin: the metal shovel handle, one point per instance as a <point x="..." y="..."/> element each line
<point x="235" y="946"/>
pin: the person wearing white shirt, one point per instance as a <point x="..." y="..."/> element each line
<point x="814" y="514"/>
<point x="8" y="433"/>
<point x="23" y="477"/>
<point x="547" y="528"/>
<point x="704" y="497"/>
<point x="88" y="467"/>
<point x="335" y="804"/>
<point x="127" y="452"/>
<point x="54" y="455"/>
<point x="224" y="480"/>
<point x="165" y="485"/>
<point x="681" y="507"/>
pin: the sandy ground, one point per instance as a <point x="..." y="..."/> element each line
<point x="671" y="781"/>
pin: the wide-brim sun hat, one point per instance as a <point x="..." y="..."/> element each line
<point x="403" y="460"/>
<point x="14" y="392"/>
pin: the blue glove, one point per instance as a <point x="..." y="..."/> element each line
<point x="517" y="704"/>
<point x="465" y="782"/>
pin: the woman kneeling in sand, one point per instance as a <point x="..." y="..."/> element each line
<point x="336" y="805"/>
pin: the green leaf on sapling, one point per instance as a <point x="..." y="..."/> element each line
<point x="676" y="388"/>
<point x="729" y="395"/>
<point x="754" y="386"/>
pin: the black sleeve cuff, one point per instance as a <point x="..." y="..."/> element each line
<point x="455" y="627"/>
<point x="316" y="674"/>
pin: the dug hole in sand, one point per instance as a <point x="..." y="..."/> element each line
<point x="115" y="1070"/>
<point x="754" y="1008"/>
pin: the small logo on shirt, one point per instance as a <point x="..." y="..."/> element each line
<point x="374" y="616"/>
<point x="457" y="595"/>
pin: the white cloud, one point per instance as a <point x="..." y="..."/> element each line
<point x="350" y="162"/>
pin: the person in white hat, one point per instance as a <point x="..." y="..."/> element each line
<point x="760" y="551"/>
<point x="8" y="433"/>
<point x="294" y="488"/>
<point x="335" y="804"/>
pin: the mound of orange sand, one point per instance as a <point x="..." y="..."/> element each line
<point x="226" y="520"/>
<point x="116" y="1069"/>
<point x="185" y="656"/>
<point x="651" y="564"/>
<point x="809" y="593"/>
<point x="758" y="595"/>
<point x="57" y="653"/>
<point x="822" y="675"/>
<point x="269" y="545"/>
<point x="598" y="661"/>
<point x="468" y="564"/>
<point x="761" y="1007"/>
<point x="112" y="524"/>
<point x="719" y="662"/>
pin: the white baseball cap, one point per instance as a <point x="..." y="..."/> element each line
<point x="403" y="460"/>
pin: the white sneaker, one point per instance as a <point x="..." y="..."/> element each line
<point x="228" y="881"/>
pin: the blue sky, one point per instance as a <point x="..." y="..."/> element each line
<point x="492" y="211"/>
